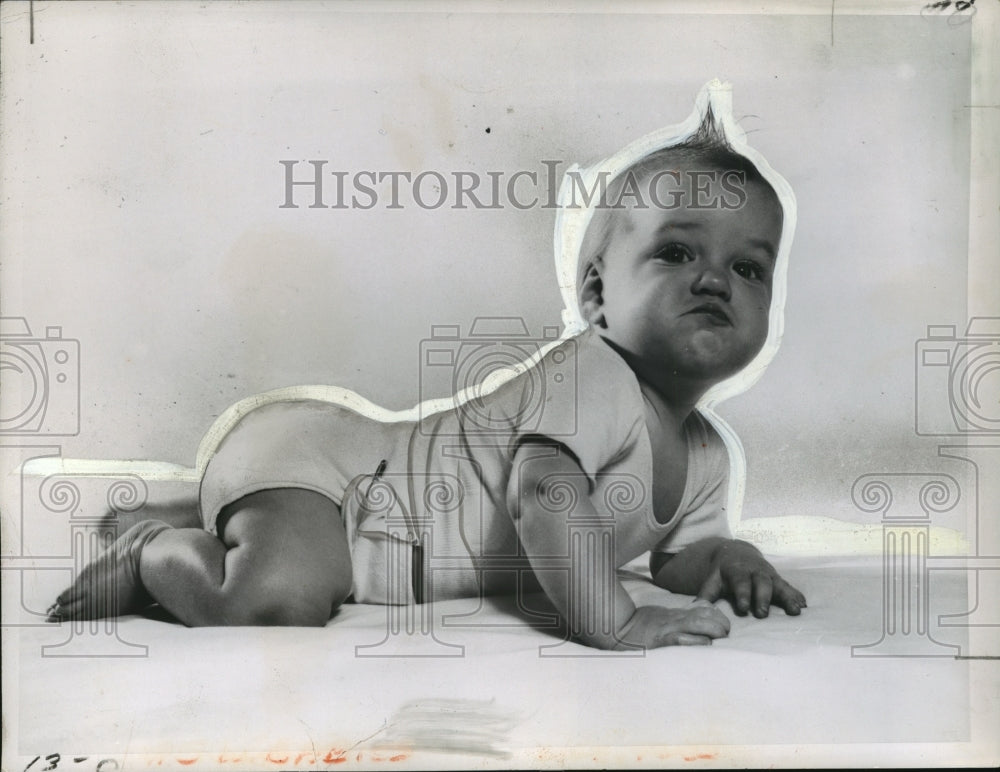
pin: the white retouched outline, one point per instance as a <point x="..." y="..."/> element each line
<point x="570" y="227"/>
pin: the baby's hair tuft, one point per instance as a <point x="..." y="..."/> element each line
<point x="710" y="134"/>
<point x="708" y="145"/>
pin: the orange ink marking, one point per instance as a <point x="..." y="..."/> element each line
<point x="398" y="757"/>
<point x="186" y="762"/>
<point x="277" y="761"/>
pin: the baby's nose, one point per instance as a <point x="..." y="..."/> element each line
<point x="711" y="281"/>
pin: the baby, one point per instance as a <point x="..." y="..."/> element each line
<point x="592" y="455"/>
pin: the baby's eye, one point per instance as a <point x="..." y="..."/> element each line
<point x="674" y="254"/>
<point x="750" y="269"/>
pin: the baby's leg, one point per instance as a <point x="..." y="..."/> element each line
<point x="282" y="560"/>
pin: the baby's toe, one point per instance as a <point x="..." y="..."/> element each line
<point x="70" y="604"/>
<point x="64" y="611"/>
<point x="74" y="591"/>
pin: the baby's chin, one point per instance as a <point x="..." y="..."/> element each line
<point x="712" y="358"/>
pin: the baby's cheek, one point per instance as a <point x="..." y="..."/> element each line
<point x="757" y="338"/>
<point x="760" y="318"/>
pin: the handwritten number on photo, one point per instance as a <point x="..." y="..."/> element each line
<point x="959" y="6"/>
<point x="54" y="759"/>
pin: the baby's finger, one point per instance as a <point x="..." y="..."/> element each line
<point x="788" y="597"/>
<point x="698" y="623"/>
<point x="705" y="621"/>
<point x="762" y="591"/>
<point x="711" y="590"/>
<point x="741" y="586"/>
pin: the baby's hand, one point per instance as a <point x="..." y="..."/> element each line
<point x="741" y="573"/>
<point x="654" y="626"/>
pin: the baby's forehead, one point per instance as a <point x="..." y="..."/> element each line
<point x="684" y="188"/>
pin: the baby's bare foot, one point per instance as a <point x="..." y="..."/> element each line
<point x="109" y="585"/>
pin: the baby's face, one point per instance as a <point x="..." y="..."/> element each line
<point x="686" y="291"/>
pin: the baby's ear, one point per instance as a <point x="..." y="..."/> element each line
<point x="591" y="294"/>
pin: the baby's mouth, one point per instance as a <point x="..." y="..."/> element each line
<point x="715" y="313"/>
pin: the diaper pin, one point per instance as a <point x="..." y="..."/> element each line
<point x="379" y="471"/>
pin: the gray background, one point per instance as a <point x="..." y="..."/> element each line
<point x="141" y="190"/>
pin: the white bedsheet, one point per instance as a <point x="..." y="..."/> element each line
<point x="230" y="697"/>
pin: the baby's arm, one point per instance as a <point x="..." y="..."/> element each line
<point x="715" y="567"/>
<point x="579" y="576"/>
